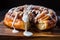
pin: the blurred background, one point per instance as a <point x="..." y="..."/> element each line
<point x="5" y="5"/>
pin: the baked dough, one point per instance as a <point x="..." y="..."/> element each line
<point x="43" y="18"/>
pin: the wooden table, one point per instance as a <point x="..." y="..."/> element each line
<point x="6" y="33"/>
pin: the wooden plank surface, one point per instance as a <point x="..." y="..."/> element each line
<point x="4" y="31"/>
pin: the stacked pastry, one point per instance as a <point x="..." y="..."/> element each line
<point x="43" y="18"/>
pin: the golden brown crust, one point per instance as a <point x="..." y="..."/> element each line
<point x="19" y="24"/>
<point x="44" y="20"/>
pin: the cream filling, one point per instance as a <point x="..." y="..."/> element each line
<point x="25" y="18"/>
<point x="14" y="30"/>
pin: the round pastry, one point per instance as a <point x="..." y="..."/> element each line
<point x="41" y="17"/>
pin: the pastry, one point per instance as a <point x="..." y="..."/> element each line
<point x="43" y="18"/>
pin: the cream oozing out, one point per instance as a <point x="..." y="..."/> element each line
<point x="25" y="18"/>
<point x="14" y="30"/>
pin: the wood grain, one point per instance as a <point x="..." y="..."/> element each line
<point x="8" y="31"/>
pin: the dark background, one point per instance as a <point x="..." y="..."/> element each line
<point x="54" y="4"/>
<point x="5" y="5"/>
